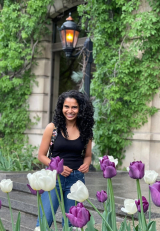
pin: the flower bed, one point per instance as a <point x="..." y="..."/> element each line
<point x="79" y="216"/>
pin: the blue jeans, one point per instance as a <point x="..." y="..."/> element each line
<point x="66" y="183"/>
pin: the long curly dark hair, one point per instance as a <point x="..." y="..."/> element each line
<point x="84" y="120"/>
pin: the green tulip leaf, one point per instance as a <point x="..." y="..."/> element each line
<point x="70" y="228"/>
<point x="90" y="225"/>
<point x="108" y="218"/>
<point x="123" y="225"/>
<point x="43" y="223"/>
<point x="136" y="228"/>
<point x="152" y="226"/>
<point x="17" y="228"/>
<point x="128" y="226"/>
<point x="1" y="226"/>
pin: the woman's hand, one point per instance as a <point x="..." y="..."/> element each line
<point x="66" y="171"/>
<point x="84" y="168"/>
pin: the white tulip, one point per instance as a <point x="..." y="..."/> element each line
<point x="150" y="176"/>
<point x="79" y="192"/>
<point x="129" y="206"/>
<point x="43" y="179"/>
<point x="6" y="185"/>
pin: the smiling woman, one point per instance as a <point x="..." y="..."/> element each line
<point x="73" y="120"/>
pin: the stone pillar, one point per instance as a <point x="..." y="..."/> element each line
<point x="39" y="101"/>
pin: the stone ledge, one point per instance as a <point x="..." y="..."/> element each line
<point x="145" y="136"/>
<point x="35" y="131"/>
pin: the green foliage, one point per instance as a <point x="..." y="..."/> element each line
<point x="126" y="53"/>
<point x="21" y="160"/>
<point x="22" y="25"/>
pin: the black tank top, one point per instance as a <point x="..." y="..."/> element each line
<point x="69" y="150"/>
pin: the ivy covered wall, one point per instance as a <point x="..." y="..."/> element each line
<point x="127" y="57"/>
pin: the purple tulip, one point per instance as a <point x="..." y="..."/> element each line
<point x="145" y="204"/>
<point x="56" y="164"/>
<point x="136" y="170"/>
<point x="78" y="215"/>
<point x="34" y="192"/>
<point x="108" y="167"/>
<point x="155" y="193"/>
<point x="0" y="204"/>
<point x="102" y="162"/>
<point x="101" y="196"/>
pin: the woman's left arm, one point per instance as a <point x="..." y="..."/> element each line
<point x="87" y="159"/>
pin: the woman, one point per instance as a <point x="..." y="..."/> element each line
<point x="73" y="119"/>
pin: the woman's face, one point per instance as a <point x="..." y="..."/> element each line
<point x="70" y="109"/>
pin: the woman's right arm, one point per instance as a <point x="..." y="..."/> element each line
<point x="44" y="146"/>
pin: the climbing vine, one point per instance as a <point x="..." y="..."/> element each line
<point x="22" y="26"/>
<point x="127" y="57"/>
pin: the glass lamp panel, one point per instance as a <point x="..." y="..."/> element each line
<point x="69" y="38"/>
<point x="62" y="33"/>
<point x="75" y="38"/>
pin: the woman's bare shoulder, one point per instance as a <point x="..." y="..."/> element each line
<point x="49" y="128"/>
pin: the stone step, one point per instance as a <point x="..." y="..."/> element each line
<point x="26" y="202"/>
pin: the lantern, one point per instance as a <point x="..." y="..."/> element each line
<point x="69" y="33"/>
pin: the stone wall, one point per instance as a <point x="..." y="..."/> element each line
<point x="146" y="140"/>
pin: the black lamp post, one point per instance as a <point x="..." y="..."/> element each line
<point x="69" y="32"/>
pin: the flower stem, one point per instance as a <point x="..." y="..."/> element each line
<point x="82" y="229"/>
<point x="140" y="197"/>
<point x="53" y="214"/>
<point x="39" y="215"/>
<point x="133" y="221"/>
<point x="10" y="211"/>
<point x="149" y="205"/>
<point x="108" y="194"/>
<point x="112" y="204"/>
<point x="58" y="198"/>
<point x="76" y="227"/>
<point x="63" y="209"/>
<point x="108" y="226"/>
<point x="43" y="211"/>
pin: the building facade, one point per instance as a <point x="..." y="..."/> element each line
<point x="53" y="78"/>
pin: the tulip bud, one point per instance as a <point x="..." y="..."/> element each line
<point x="44" y="179"/>
<point x="145" y="204"/>
<point x="111" y="158"/>
<point x="150" y="176"/>
<point x="56" y="164"/>
<point x="6" y="185"/>
<point x="155" y="193"/>
<point x="101" y="196"/>
<point x="108" y="167"/>
<point x="79" y="192"/>
<point x="136" y="170"/>
<point x="129" y="206"/>
<point x="78" y="215"/>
